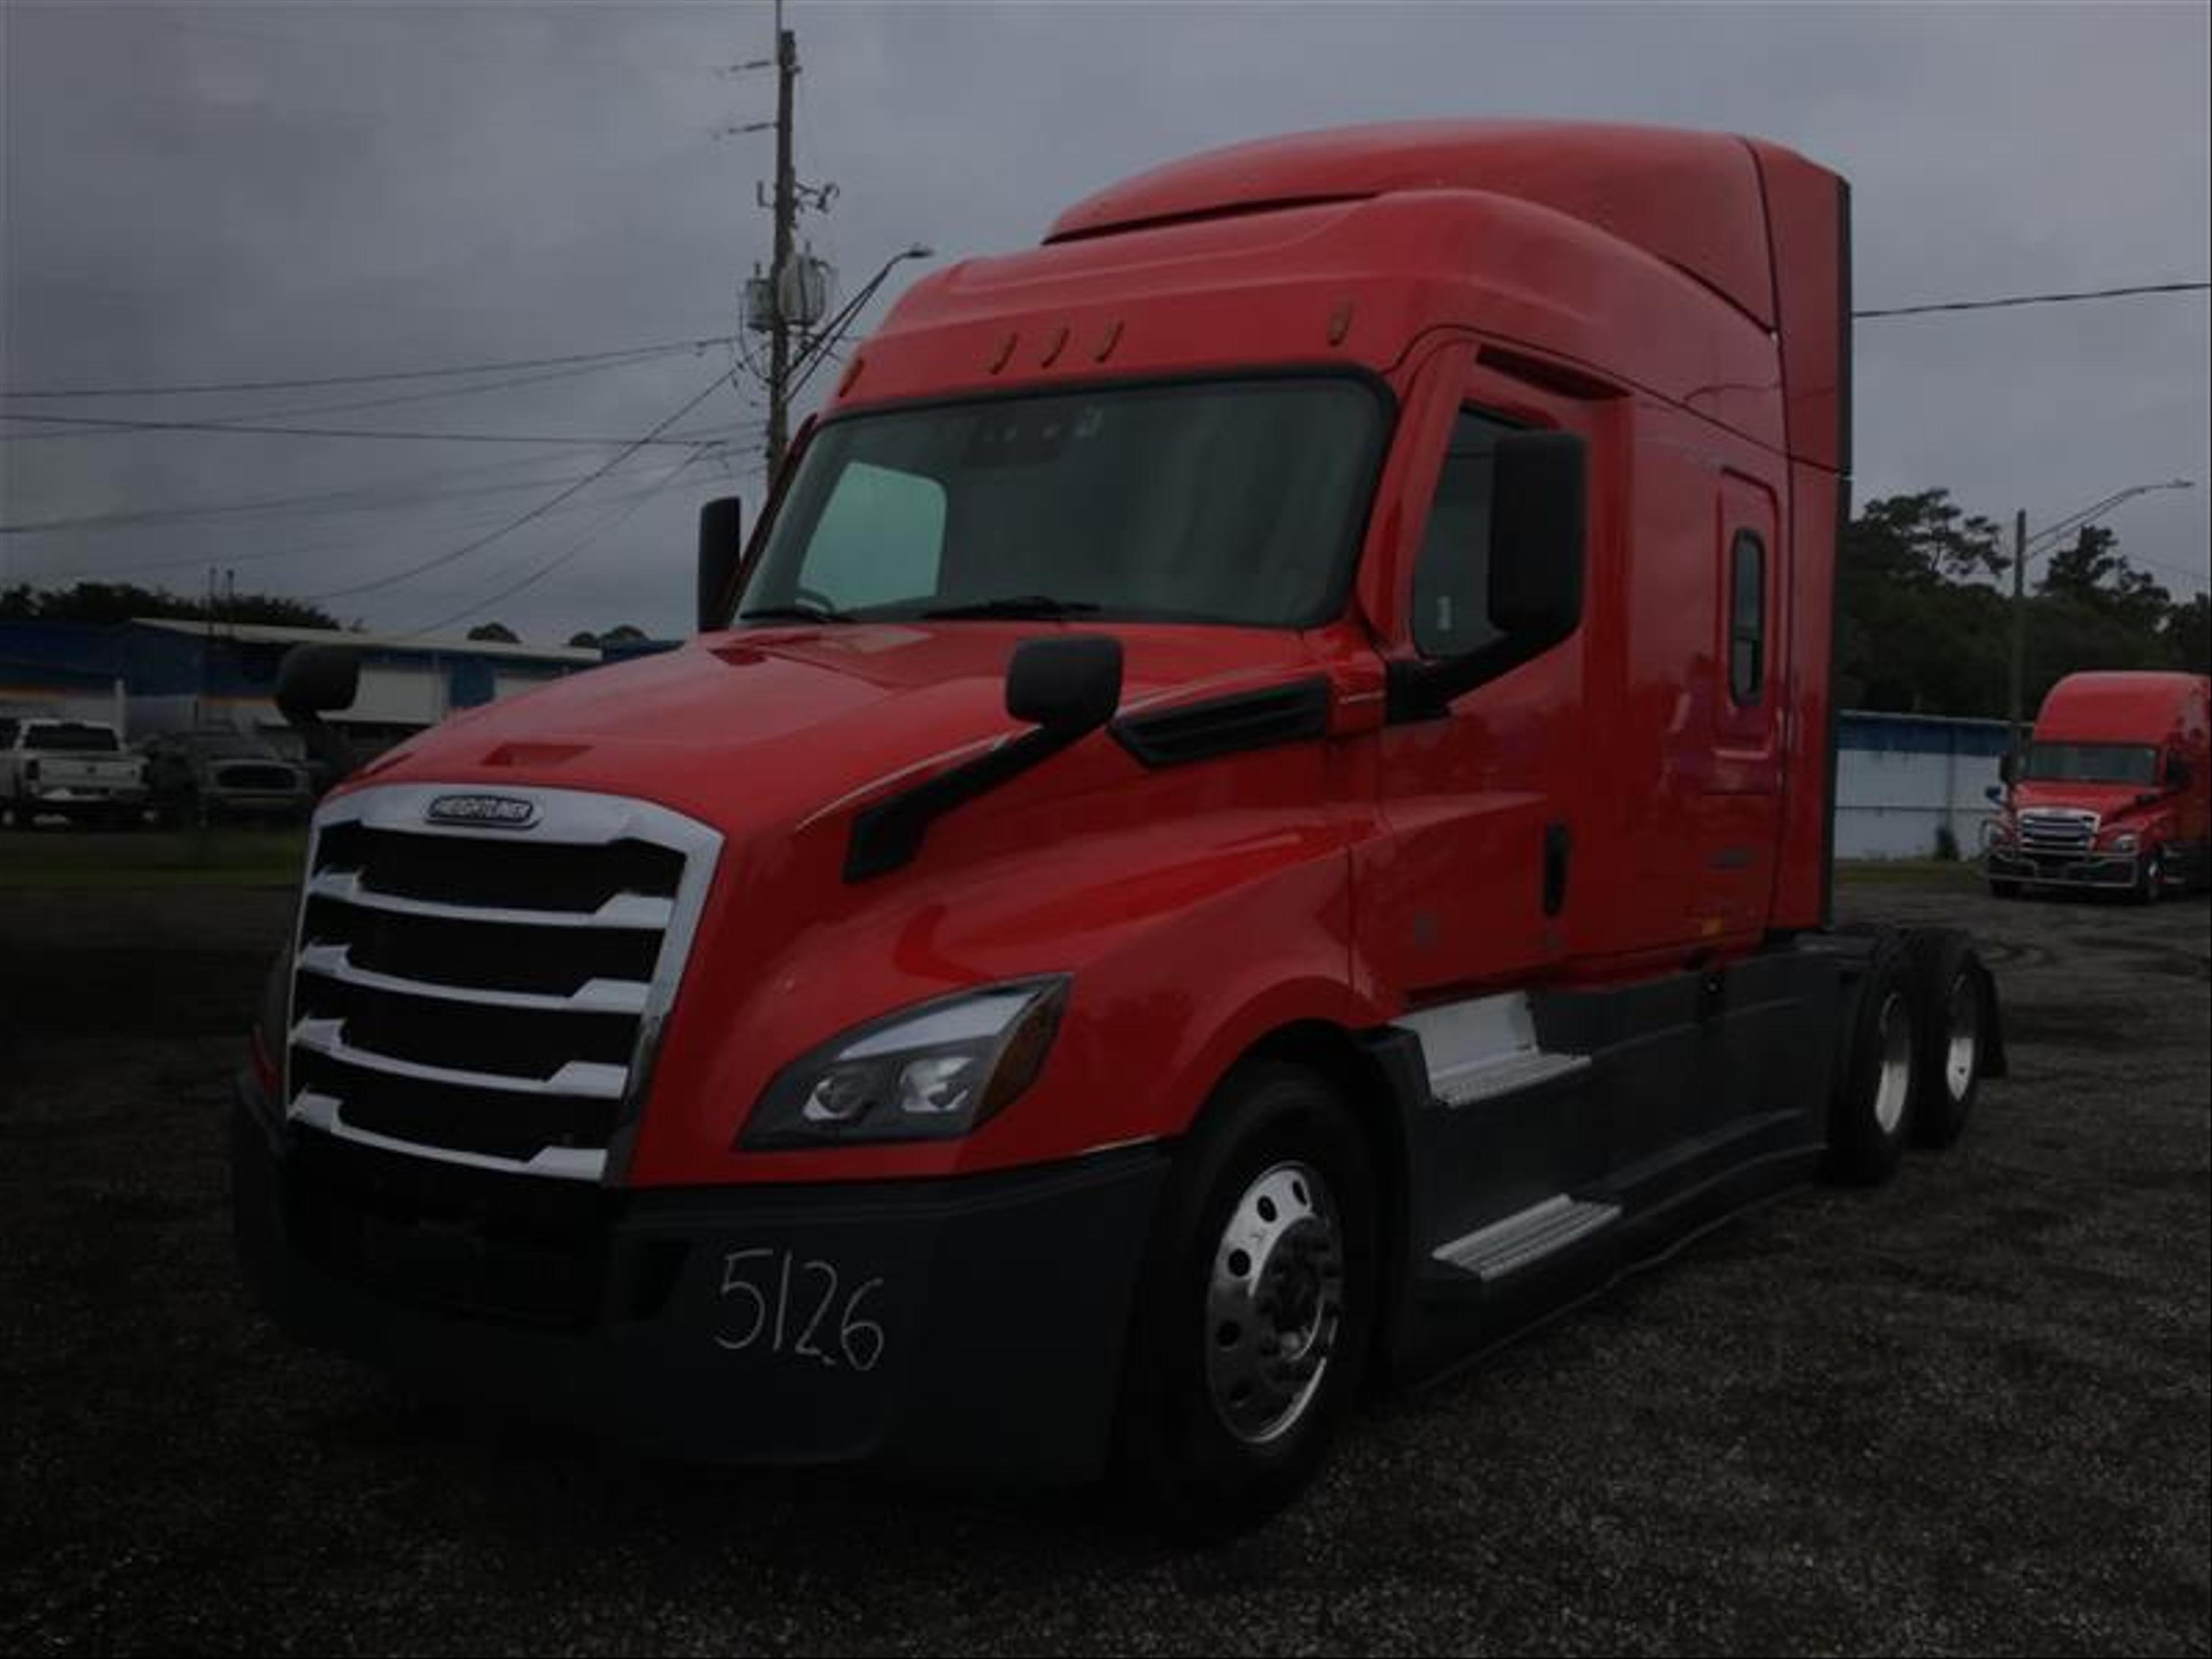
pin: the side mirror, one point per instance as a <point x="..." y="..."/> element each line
<point x="2008" y="768"/>
<point x="1995" y="793"/>
<point x="317" y="679"/>
<point x="1539" y="544"/>
<point x="721" y="547"/>
<point x="1065" y="687"/>
<point x="1538" y="493"/>
<point x="2177" y="773"/>
<point x="1068" y="686"/>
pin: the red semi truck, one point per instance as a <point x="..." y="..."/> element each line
<point x="2114" y="790"/>
<point x="1255" y="815"/>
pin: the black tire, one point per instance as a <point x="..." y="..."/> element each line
<point x="2150" y="878"/>
<point x="2003" y="889"/>
<point x="1956" y="1023"/>
<point x="1179" y="1456"/>
<point x="1871" y="1111"/>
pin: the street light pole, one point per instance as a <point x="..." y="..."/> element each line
<point x="817" y="349"/>
<point x="2021" y="541"/>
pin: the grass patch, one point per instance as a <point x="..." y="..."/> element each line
<point x="47" y="857"/>
<point x="1931" y="872"/>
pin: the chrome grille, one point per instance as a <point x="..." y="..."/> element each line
<point x="2060" y="830"/>
<point x="489" y="996"/>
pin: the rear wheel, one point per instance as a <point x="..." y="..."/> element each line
<point x="1257" y="1306"/>
<point x="1951" y="996"/>
<point x="1872" y="1109"/>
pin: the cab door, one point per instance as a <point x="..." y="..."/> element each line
<point x="1478" y="884"/>
<point x="1739" y="817"/>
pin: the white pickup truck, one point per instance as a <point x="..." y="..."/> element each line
<point x="76" y="769"/>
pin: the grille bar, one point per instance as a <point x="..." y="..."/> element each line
<point x="623" y="910"/>
<point x="325" y="1112"/>
<point x="603" y="996"/>
<point x="594" y="1079"/>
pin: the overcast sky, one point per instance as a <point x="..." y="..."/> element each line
<point x="226" y="193"/>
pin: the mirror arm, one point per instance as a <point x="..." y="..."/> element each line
<point x="1418" y="689"/>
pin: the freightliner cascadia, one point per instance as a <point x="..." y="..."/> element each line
<point x="2114" y="793"/>
<point x="1254" y="815"/>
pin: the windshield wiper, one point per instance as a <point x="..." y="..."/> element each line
<point x="806" y="613"/>
<point x="1036" y="605"/>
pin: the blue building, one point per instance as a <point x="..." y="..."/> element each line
<point x="151" y="676"/>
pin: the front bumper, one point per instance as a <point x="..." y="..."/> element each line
<point x="62" y="797"/>
<point x="972" y="1326"/>
<point x="2091" y="869"/>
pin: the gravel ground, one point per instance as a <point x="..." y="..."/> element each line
<point x="1966" y="1411"/>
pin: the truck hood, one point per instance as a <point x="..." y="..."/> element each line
<point x="761" y="726"/>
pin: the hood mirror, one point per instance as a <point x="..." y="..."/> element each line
<point x="1996" y="792"/>
<point x="1069" y="685"/>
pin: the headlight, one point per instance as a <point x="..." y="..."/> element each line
<point x="2000" y="832"/>
<point x="929" y="1072"/>
<point x="2126" y="842"/>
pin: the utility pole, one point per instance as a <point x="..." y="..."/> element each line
<point x="786" y="212"/>
<point x="2019" y="669"/>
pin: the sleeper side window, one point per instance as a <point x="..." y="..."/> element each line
<point x="1747" y="619"/>
<point x="1451" y="577"/>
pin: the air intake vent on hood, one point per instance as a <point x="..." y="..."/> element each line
<point x="1223" y="726"/>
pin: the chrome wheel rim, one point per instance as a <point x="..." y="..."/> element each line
<point x="1964" y="1049"/>
<point x="1894" y="1034"/>
<point x="1274" y="1300"/>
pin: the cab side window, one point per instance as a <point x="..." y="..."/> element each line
<point x="1747" y="619"/>
<point x="1451" y="578"/>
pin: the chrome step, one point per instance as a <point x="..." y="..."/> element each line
<point x="1527" y="1237"/>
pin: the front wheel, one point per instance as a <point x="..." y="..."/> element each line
<point x="2000" y="889"/>
<point x="2150" y="877"/>
<point x="1257" y="1307"/>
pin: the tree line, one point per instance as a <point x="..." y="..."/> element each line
<point x="1925" y="602"/>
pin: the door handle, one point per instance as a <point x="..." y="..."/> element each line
<point x="1558" y="843"/>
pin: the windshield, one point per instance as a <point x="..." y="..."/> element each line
<point x="1223" y="502"/>
<point x="70" y="735"/>
<point x="2091" y="762"/>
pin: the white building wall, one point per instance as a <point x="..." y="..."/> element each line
<point x="1900" y="778"/>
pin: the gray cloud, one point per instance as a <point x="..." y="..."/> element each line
<point x="218" y="193"/>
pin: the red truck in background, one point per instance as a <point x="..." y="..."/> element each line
<point x="2114" y="790"/>
<point x="1255" y="815"/>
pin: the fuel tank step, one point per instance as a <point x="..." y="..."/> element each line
<point x="1525" y="1238"/>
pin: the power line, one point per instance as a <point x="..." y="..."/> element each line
<point x="260" y="430"/>
<point x="373" y="495"/>
<point x="466" y="548"/>
<point x="664" y="348"/>
<point x="2036" y="299"/>
<point x="104" y="570"/>
<point x="560" y="558"/>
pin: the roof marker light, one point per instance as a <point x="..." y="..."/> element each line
<point x="1111" y="338"/>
